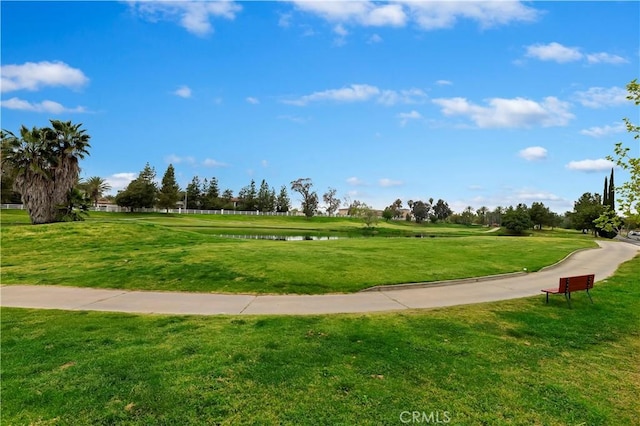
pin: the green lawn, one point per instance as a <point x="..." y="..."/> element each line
<point x="157" y="252"/>
<point x="505" y="363"/>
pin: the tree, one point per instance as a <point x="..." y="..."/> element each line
<point x="309" y="198"/>
<point x="194" y="194"/>
<point x="388" y="214"/>
<point x="539" y="214"/>
<point x="266" y="201"/>
<point x="169" y="193"/>
<point x="227" y="199"/>
<point x="587" y="209"/>
<point x="629" y="192"/>
<point x="332" y="202"/>
<point x="605" y="193"/>
<point x="45" y="165"/>
<point x="420" y="211"/>
<point x="354" y="207"/>
<point x="467" y="216"/>
<point x="608" y="223"/>
<point x="7" y="193"/>
<point x="141" y="192"/>
<point x="77" y="206"/>
<point x="517" y="220"/>
<point x="441" y="210"/>
<point x="396" y="207"/>
<point x="496" y="216"/>
<point x="369" y="216"/>
<point x="248" y="197"/>
<point x="95" y="187"/>
<point x="611" y="196"/>
<point x="363" y="211"/>
<point x="482" y="214"/>
<point x="211" y="194"/>
<point x="283" y="204"/>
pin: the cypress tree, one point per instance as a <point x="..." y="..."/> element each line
<point x="605" y="193"/>
<point x="611" y="197"/>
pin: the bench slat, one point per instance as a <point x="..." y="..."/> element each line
<point x="567" y="285"/>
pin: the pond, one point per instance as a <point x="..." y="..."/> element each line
<point x="281" y="237"/>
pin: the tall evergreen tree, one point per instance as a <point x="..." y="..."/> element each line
<point x="283" y="203"/>
<point x="611" y="196"/>
<point x="211" y="194"/>
<point x="248" y="197"/>
<point x="169" y="193"/>
<point x="194" y="194"/>
<point x="605" y="193"/>
<point x="264" y="201"/>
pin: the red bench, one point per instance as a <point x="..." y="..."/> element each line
<point x="568" y="285"/>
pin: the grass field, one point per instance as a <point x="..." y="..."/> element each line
<point x="507" y="363"/>
<point x="185" y="253"/>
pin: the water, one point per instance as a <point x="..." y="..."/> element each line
<point x="280" y="237"/>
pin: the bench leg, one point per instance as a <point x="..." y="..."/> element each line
<point x="547" y="298"/>
<point x="568" y="296"/>
<point x="589" y="294"/>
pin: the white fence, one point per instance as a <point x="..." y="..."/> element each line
<point x="118" y="209"/>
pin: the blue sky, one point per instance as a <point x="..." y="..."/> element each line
<point x="478" y="103"/>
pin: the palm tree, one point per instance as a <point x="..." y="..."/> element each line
<point x="45" y="165"/>
<point x="69" y="146"/>
<point x="95" y="187"/>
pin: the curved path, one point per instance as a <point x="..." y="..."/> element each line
<point x="602" y="261"/>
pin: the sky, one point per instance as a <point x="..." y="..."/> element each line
<point x="479" y="103"/>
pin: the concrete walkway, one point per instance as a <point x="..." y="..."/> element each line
<point x="602" y="261"/>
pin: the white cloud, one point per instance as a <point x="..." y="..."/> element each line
<point x="444" y="83"/>
<point x="516" y="112"/>
<point x="539" y="196"/>
<point x="554" y="52"/>
<point x="409" y="96"/>
<point x="183" y="92"/>
<point x="194" y="16"/>
<point x="599" y="97"/>
<point x="175" y="159"/>
<point x="599" y="132"/>
<point x="285" y="20"/>
<point x="354" y="181"/>
<point x="605" y="58"/>
<point x="406" y="116"/>
<point x="388" y="183"/>
<point x="340" y="30"/>
<point x="210" y="162"/>
<point x="375" y="38"/>
<point x="558" y="53"/>
<point x="264" y="163"/>
<point x="44" y="106"/>
<point x="437" y="15"/>
<point x="293" y="118"/>
<point x="598" y="165"/>
<point x="362" y="93"/>
<point x="35" y="75"/>
<point x="252" y="100"/>
<point x="353" y="93"/>
<point x="533" y="153"/>
<point x="119" y="181"/>
<point x="364" y="13"/>
<point x="427" y="15"/>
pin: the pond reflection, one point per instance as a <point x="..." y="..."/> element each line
<point x="280" y="237"/>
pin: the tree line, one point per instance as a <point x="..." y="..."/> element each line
<point x="40" y="167"/>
